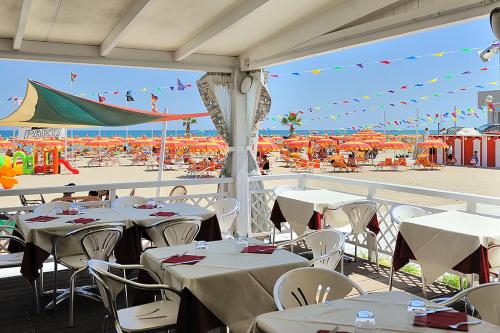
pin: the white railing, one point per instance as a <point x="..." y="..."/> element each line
<point x="262" y="201"/>
<point x="203" y="199"/>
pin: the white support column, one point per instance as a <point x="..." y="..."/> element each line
<point x="240" y="156"/>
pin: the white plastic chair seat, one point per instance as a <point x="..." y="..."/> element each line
<point x="136" y="318"/>
<point x="78" y="261"/>
<point x="11" y="260"/>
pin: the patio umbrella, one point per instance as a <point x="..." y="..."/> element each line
<point x="432" y="144"/>
<point x="325" y="142"/>
<point x="100" y="142"/>
<point x="143" y="141"/>
<point x="264" y="147"/>
<point x="374" y="143"/>
<point x="354" y="145"/>
<point x="49" y="143"/>
<point x="206" y="147"/>
<point x="394" y="145"/>
<point x="298" y="143"/>
<point x="172" y="144"/>
<point x="4" y="143"/>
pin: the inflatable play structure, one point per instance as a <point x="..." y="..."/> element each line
<point x="7" y="173"/>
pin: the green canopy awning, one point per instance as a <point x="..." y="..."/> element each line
<point x="44" y="106"/>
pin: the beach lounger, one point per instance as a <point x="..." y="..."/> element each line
<point x="400" y="162"/>
<point x="385" y="163"/>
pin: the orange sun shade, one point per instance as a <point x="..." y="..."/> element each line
<point x="432" y="144"/>
<point x="354" y="145"/>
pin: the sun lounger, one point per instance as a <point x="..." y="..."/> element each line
<point x="385" y="163"/>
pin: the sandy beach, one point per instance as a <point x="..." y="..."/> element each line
<point x="479" y="181"/>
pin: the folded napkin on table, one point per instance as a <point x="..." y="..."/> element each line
<point x="41" y="219"/>
<point x="265" y="249"/>
<point x="83" y="220"/>
<point x="145" y="206"/>
<point x="443" y="320"/>
<point x="68" y="212"/>
<point x="184" y="259"/>
<point x="165" y="214"/>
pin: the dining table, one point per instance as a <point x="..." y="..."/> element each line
<point x="389" y="310"/>
<point x="39" y="233"/>
<point x="228" y="287"/>
<point x="145" y="217"/>
<point x="448" y="240"/>
<point x="302" y="209"/>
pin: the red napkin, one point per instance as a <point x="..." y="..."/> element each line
<point x="67" y="212"/>
<point x="83" y="220"/>
<point x="443" y="319"/>
<point x="146" y="206"/>
<point x="166" y="214"/>
<point x="265" y="249"/>
<point x="187" y="259"/>
<point x="41" y="219"/>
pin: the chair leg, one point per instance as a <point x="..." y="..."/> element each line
<point x="54" y="295"/>
<point x="391" y="278"/>
<point x="41" y="280"/>
<point x="274" y="235"/>
<point x="37" y="299"/>
<point x="105" y="324"/>
<point x="72" y="294"/>
<point x="291" y="237"/>
<point x="356" y="249"/>
<point x="376" y="256"/>
<point x="342" y="262"/>
<point x="126" y="289"/>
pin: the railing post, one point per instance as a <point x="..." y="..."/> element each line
<point x="372" y="190"/>
<point x="112" y="195"/>
<point x="471" y="207"/>
<point x="301" y="181"/>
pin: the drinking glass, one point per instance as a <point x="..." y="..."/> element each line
<point x="74" y="209"/>
<point x="416" y="309"/>
<point x="57" y="211"/>
<point x="200" y="246"/>
<point x="241" y="243"/>
<point x="365" y="322"/>
<point x="151" y="203"/>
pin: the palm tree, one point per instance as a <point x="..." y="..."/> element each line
<point x="292" y="120"/>
<point x="187" y="125"/>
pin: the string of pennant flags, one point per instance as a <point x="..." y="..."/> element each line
<point x="412" y="122"/>
<point x="414" y="85"/>
<point x="383" y="62"/>
<point x="393" y="106"/>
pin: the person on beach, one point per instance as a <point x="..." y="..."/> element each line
<point x="264" y="164"/>
<point x="475" y="160"/>
<point x="351" y="160"/>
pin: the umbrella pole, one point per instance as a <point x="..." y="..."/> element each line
<point x="162" y="155"/>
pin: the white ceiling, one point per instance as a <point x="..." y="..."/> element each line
<point x="211" y="35"/>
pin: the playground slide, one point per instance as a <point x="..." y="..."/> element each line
<point x="68" y="166"/>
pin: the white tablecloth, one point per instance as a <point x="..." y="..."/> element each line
<point x="142" y="217"/>
<point x="42" y="234"/>
<point x="389" y="309"/>
<point x="298" y="206"/>
<point x="441" y="241"/>
<point x="234" y="286"/>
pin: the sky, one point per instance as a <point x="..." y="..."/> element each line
<point x="313" y="94"/>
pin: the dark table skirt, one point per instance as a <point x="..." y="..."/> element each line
<point x="477" y="262"/>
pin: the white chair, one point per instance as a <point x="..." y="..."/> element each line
<point x="48" y="207"/>
<point x="160" y="314"/>
<point x="10" y="260"/>
<point x="178" y="190"/>
<point x="226" y="210"/>
<point x="128" y="201"/>
<point x="327" y="247"/>
<point x="174" y="231"/>
<point x="485" y="299"/>
<point x="359" y="215"/>
<point x="494" y="259"/>
<point x="276" y="192"/>
<point x="79" y="246"/>
<point x="399" y="213"/>
<point x="311" y="285"/>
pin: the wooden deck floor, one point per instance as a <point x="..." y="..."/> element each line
<point x="17" y="313"/>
